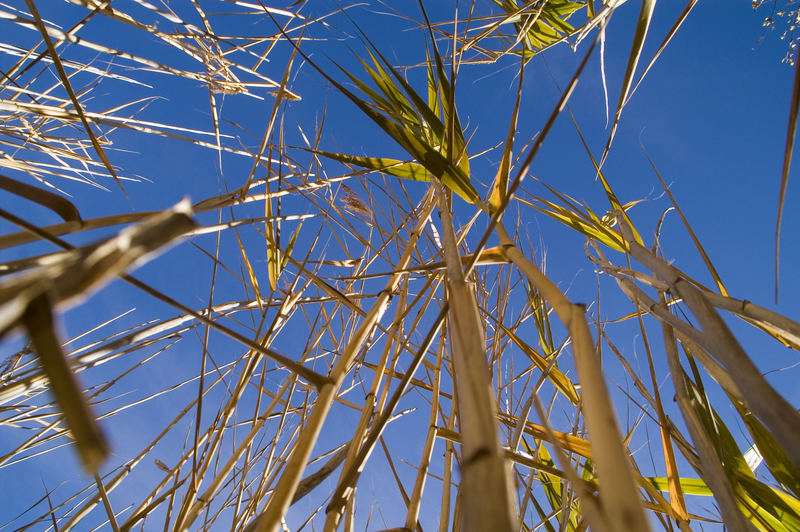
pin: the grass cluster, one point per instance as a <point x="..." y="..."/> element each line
<point x="318" y="317"/>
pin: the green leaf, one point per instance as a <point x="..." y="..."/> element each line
<point x="578" y="221"/>
<point x="401" y="169"/>
<point x="537" y="24"/>
<point x="690" y="486"/>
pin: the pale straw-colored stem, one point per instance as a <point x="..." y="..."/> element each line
<point x="483" y="465"/>
<point x="619" y="497"/>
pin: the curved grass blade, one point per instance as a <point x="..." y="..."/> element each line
<point x="612" y="197"/>
<point x="61" y="206"/>
<point x="574" y="219"/>
<point x="791" y="132"/>
<point x="642" y="25"/>
<point x="700" y="249"/>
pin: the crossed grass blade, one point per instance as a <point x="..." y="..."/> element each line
<point x="761" y="398"/>
<point x="399" y="119"/>
<point x="68" y="86"/>
<point x="765" y="507"/>
<point x="28" y="301"/>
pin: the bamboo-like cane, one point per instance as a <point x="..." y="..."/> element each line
<point x="412" y="515"/>
<point x="619" y="498"/>
<point x="483" y="466"/>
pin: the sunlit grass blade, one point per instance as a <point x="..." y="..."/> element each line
<point x="587" y="225"/>
<point x="68" y="87"/>
<point x="402" y="169"/>
<point x="762" y="505"/>
<point x="711" y="470"/>
<point x="711" y="269"/>
<point x="782" y="328"/>
<point x="85" y="268"/>
<point x="483" y="466"/>
<point x="397" y="125"/>
<point x="612" y="197"/>
<point x="554" y="489"/>
<point x="417" y="147"/>
<point x="642" y="25"/>
<point x="290" y="478"/>
<point x="251" y="274"/>
<point x="500" y="184"/>
<point x="774" y="456"/>
<point x="765" y="402"/>
<point x="539" y="25"/>
<point x="672" y="32"/>
<point x="620" y="503"/>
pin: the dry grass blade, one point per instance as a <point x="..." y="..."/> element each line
<point x="283" y="494"/>
<point x="412" y="517"/>
<point x="206" y="205"/>
<point x="349" y="477"/>
<point x="85" y="268"/>
<point x="345" y="503"/>
<point x="791" y="132"/>
<point x="672" y="32"/>
<point x="784" y="329"/>
<point x="766" y="403"/>
<point x="560" y="381"/>
<point x="90" y="442"/>
<point x="524" y="168"/>
<point x="68" y="87"/>
<point x="501" y="179"/>
<point x="319" y="299"/>
<point x="711" y="469"/>
<point x="612" y="197"/>
<point x="314" y="479"/>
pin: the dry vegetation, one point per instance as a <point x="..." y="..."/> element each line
<point x="329" y="343"/>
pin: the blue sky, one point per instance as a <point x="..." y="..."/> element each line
<point x="711" y="114"/>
